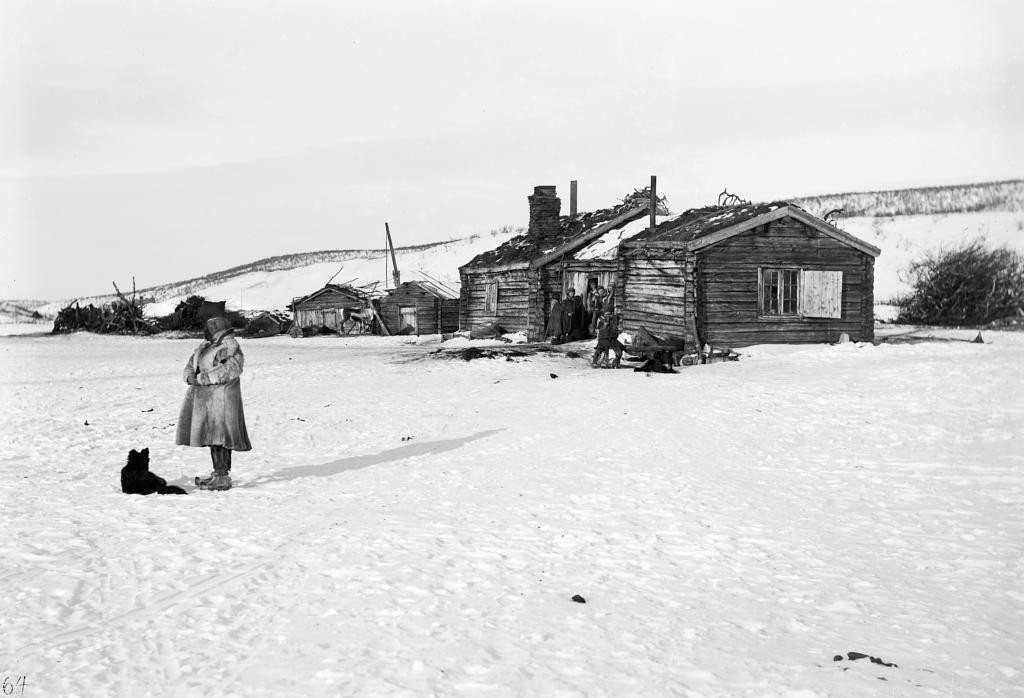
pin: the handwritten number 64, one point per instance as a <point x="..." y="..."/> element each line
<point x="12" y="684"/>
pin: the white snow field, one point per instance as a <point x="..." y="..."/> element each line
<point x="408" y="525"/>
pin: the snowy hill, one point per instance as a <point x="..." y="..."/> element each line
<point x="903" y="223"/>
<point x="903" y="239"/>
<point x="271" y="284"/>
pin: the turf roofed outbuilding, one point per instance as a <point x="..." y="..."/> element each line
<point x="515" y="285"/>
<point x="747" y="274"/>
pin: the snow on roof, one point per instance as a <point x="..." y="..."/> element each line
<point x="605" y="246"/>
<point x="526" y="247"/>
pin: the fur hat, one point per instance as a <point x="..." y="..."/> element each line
<point x="217" y="324"/>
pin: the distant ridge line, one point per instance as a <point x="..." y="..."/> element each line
<point x="999" y="195"/>
<point x="935" y="187"/>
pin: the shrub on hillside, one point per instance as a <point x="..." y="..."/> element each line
<point x="972" y="284"/>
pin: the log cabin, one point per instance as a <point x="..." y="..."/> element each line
<point x="515" y="284"/>
<point x="747" y="274"/>
<point x="325" y="307"/>
<point x="419" y="307"/>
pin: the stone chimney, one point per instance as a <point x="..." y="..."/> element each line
<point x="545" y="208"/>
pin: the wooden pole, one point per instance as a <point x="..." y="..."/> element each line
<point x="572" y="199"/>
<point x="654" y="201"/>
<point x="394" y="262"/>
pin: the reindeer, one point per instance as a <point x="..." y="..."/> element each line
<point x="363" y="316"/>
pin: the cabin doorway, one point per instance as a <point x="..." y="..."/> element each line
<point x="407" y="320"/>
<point x="586" y="282"/>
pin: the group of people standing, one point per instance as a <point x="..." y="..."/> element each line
<point x="593" y="315"/>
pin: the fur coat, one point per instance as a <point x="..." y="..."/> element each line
<point x="211" y="414"/>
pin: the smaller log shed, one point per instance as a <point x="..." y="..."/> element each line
<point x="768" y="273"/>
<point x="419" y="307"/>
<point x="325" y="308"/>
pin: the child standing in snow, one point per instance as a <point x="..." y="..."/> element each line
<point x="211" y="414"/>
<point x="607" y="338"/>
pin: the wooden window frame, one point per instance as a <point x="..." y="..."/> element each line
<point x="800" y="311"/>
<point x="415" y="314"/>
<point x="762" y="312"/>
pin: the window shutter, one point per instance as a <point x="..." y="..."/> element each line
<point x="491" y="299"/>
<point x="821" y="293"/>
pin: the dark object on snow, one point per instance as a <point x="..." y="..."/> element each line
<point x="136" y="478"/>
<point x="489" y="330"/>
<point x="854" y="656"/>
<point x="210" y="309"/>
<point x="978" y="339"/>
<point x="471" y="353"/>
<point x="655" y="366"/>
<point x="267" y="324"/>
<point x="578" y="599"/>
<point x="553" y="375"/>
<point x="185" y="315"/>
<point x="120" y="316"/>
<point x="656" y="350"/>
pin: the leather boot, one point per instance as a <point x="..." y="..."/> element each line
<point x="215" y="457"/>
<point x="219" y="482"/>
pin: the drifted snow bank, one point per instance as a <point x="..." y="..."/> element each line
<point x="413" y="526"/>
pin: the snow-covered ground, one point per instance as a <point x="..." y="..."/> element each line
<point x="410" y="525"/>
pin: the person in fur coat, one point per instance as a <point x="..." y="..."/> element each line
<point x="211" y="414"/>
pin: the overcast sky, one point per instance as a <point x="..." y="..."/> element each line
<point x="166" y="140"/>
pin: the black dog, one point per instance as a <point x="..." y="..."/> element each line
<point x="136" y="478"/>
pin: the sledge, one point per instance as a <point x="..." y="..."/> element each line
<point x="648" y="347"/>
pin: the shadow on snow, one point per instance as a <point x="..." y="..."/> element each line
<point x="359" y="462"/>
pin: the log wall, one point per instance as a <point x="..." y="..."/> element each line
<point x="324" y="309"/>
<point x="654" y="293"/>
<point x="867" y="311"/>
<point x="727" y="286"/>
<point x="428" y="308"/>
<point x="514" y="299"/>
